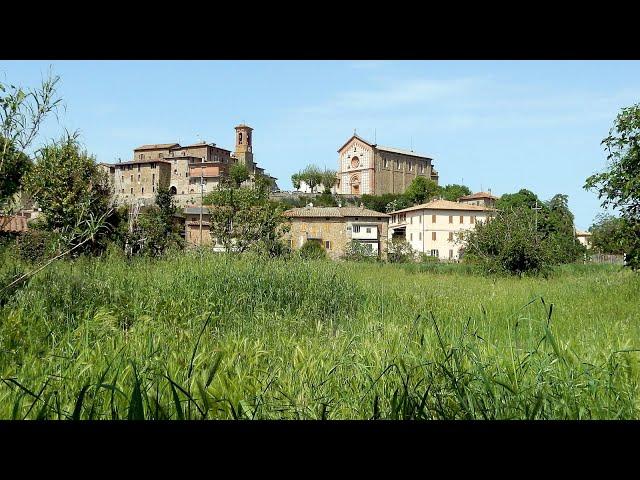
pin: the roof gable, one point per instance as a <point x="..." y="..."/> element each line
<point x="354" y="136"/>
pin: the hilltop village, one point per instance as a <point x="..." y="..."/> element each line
<point x="364" y="168"/>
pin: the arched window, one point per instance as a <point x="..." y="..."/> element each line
<point x="240" y="138"/>
<point x="173" y="190"/>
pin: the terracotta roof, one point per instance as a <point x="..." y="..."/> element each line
<point x="335" y="212"/>
<point x="196" y="211"/>
<point x="444" y="205"/>
<point x="13" y="224"/>
<point x="402" y="152"/>
<point x="133" y="162"/>
<point x="478" y="195"/>
<point x="156" y="146"/>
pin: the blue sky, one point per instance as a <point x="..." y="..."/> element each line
<point x="503" y="125"/>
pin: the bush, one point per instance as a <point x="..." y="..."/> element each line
<point x="509" y="243"/>
<point x="401" y="251"/>
<point x="425" y="258"/>
<point x="34" y="245"/>
<point x="358" y="251"/>
<point x="312" y="250"/>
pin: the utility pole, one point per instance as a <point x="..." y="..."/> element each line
<point x="201" y="196"/>
<point x="536" y="208"/>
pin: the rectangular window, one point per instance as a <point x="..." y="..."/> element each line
<point x="450" y="236"/>
<point x="435" y="253"/>
<point x="410" y="166"/>
<point x="411" y="236"/>
<point x="450" y="218"/>
<point x="473" y="219"/>
<point x="420" y="218"/>
<point x="433" y="219"/>
<point x="461" y="218"/>
<point x="138" y="167"/>
<point x="433" y="235"/>
<point x="153" y="189"/>
<point x="385" y="163"/>
<point x="327" y="244"/>
<point x="131" y="190"/>
<point x="411" y="219"/>
<point x="153" y="178"/>
<point x="143" y="190"/>
<point x="398" y="164"/>
<point x="186" y="174"/>
<point x="450" y="254"/>
<point x="419" y="235"/>
<point x="368" y="229"/>
<point x="356" y="229"/>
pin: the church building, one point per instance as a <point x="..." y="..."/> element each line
<point x="367" y="168"/>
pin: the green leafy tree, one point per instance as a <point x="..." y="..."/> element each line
<point x="22" y="112"/>
<point x="358" y="251"/>
<point x="328" y="180"/>
<point x="421" y="190"/>
<point x="453" y="192"/>
<point x="378" y="203"/>
<point x="609" y="234"/>
<point x="400" y="251"/>
<point x="508" y="243"/>
<point x="523" y="198"/>
<point x="619" y="186"/>
<point x="69" y="188"/>
<point x="238" y="173"/>
<point x="243" y="219"/>
<point x="311" y="175"/>
<point x="296" y="181"/>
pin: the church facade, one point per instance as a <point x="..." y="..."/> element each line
<point x="367" y="168"/>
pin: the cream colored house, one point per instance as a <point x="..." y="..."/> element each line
<point x="432" y="227"/>
<point x="584" y="238"/>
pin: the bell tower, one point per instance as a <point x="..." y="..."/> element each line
<point x="244" y="149"/>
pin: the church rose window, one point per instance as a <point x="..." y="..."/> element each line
<point x="355" y="162"/>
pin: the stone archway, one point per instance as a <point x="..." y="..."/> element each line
<point x="173" y="191"/>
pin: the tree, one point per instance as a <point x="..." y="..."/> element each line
<point x="453" y="192"/>
<point x="508" y="243"/>
<point x="312" y="250"/>
<point x="22" y="113"/>
<point x="244" y="219"/>
<point x="378" y="203"/>
<point x="311" y="175"/>
<point x="156" y="230"/>
<point x="358" y="251"/>
<point x="609" y="234"/>
<point x="523" y="198"/>
<point x="68" y="186"/>
<point x="296" y="181"/>
<point x="421" y="190"/>
<point x="619" y="186"/>
<point x="328" y="179"/>
<point x="238" y="173"/>
<point x="400" y="251"/>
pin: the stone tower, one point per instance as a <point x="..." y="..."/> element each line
<point x="243" y="151"/>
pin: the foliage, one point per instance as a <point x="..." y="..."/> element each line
<point x="453" y="192"/>
<point x="34" y="245"/>
<point x="328" y="180"/>
<point x="619" y="186"/>
<point x="156" y="229"/>
<point x="397" y="204"/>
<point x="358" y="251"/>
<point x="326" y="199"/>
<point x="312" y="175"/>
<point x="238" y="173"/>
<point x="379" y="203"/>
<point x="508" y="243"/>
<point x="421" y="190"/>
<point x="15" y="165"/>
<point x="426" y="258"/>
<point x="244" y="219"/>
<point x="22" y="113"/>
<point x="312" y="250"/>
<point x="610" y="235"/>
<point x="400" y="251"/>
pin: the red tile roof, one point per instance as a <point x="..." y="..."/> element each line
<point x="13" y="224"/>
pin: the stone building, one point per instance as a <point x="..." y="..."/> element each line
<point x="367" y="168"/>
<point x="584" y="238"/>
<point x="182" y="169"/>
<point x="432" y="227"/>
<point x="483" y="199"/>
<point x="334" y="227"/>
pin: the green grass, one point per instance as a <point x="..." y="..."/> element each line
<point x="215" y="336"/>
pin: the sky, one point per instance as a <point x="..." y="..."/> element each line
<point x="499" y="125"/>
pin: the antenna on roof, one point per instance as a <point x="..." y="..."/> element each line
<point x="411" y="143"/>
<point x="354" y="131"/>
<point x="375" y="137"/>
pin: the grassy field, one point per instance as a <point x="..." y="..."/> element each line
<point x="215" y="336"/>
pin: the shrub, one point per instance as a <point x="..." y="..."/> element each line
<point x="358" y="251"/>
<point x="401" y="251"/>
<point x="34" y="245"/>
<point x="424" y="258"/>
<point x="312" y="250"/>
